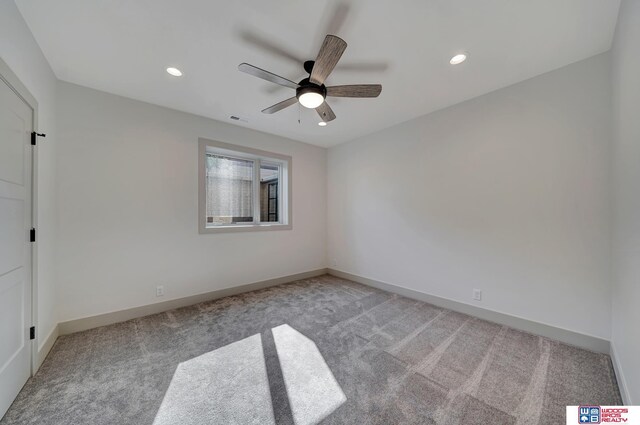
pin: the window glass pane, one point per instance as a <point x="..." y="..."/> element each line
<point x="229" y="187"/>
<point x="269" y="192"/>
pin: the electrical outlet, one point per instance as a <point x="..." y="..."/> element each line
<point x="159" y="291"/>
<point x="477" y="295"/>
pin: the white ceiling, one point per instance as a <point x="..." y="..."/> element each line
<point x="124" y="46"/>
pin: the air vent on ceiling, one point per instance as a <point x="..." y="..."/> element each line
<point x="237" y="118"/>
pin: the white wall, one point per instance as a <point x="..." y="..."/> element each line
<point x="20" y="51"/>
<point x="128" y="197"/>
<point x="507" y="193"/>
<point x="626" y="179"/>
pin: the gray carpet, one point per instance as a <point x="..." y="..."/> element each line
<point x="319" y="350"/>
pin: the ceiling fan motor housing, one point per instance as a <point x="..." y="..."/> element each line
<point x="308" y="87"/>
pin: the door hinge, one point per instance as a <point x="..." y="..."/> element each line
<point x="32" y="235"/>
<point x="34" y="135"/>
<point x="32" y="332"/>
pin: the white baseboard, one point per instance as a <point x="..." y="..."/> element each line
<point x="570" y="337"/>
<point x="559" y="334"/>
<point x="622" y="382"/>
<point x="46" y="347"/>
<point x="85" y="323"/>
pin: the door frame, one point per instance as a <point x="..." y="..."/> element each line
<point x="14" y="83"/>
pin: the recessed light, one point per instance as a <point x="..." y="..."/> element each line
<point x="457" y="59"/>
<point x="322" y="123"/>
<point x="174" y="71"/>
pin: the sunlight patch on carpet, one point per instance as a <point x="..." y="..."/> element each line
<point x="225" y="386"/>
<point x="312" y="389"/>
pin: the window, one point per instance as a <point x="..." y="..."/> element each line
<point x="269" y="192"/>
<point x="242" y="188"/>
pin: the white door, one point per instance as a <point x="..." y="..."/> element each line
<point x="16" y="123"/>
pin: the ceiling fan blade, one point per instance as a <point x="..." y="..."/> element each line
<point x="263" y="42"/>
<point x="280" y="106"/>
<point x="332" y="48"/>
<point x="370" y="66"/>
<point x="358" y="90"/>
<point x="339" y="15"/>
<point x="325" y="112"/>
<point x="266" y="75"/>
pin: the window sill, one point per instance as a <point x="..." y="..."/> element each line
<point x="244" y="228"/>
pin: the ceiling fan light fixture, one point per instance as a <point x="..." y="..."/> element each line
<point x="310" y="99"/>
<point x="322" y="123"/>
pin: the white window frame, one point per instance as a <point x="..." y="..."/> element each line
<point x="206" y="146"/>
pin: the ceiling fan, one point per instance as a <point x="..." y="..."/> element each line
<point x="311" y="92"/>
